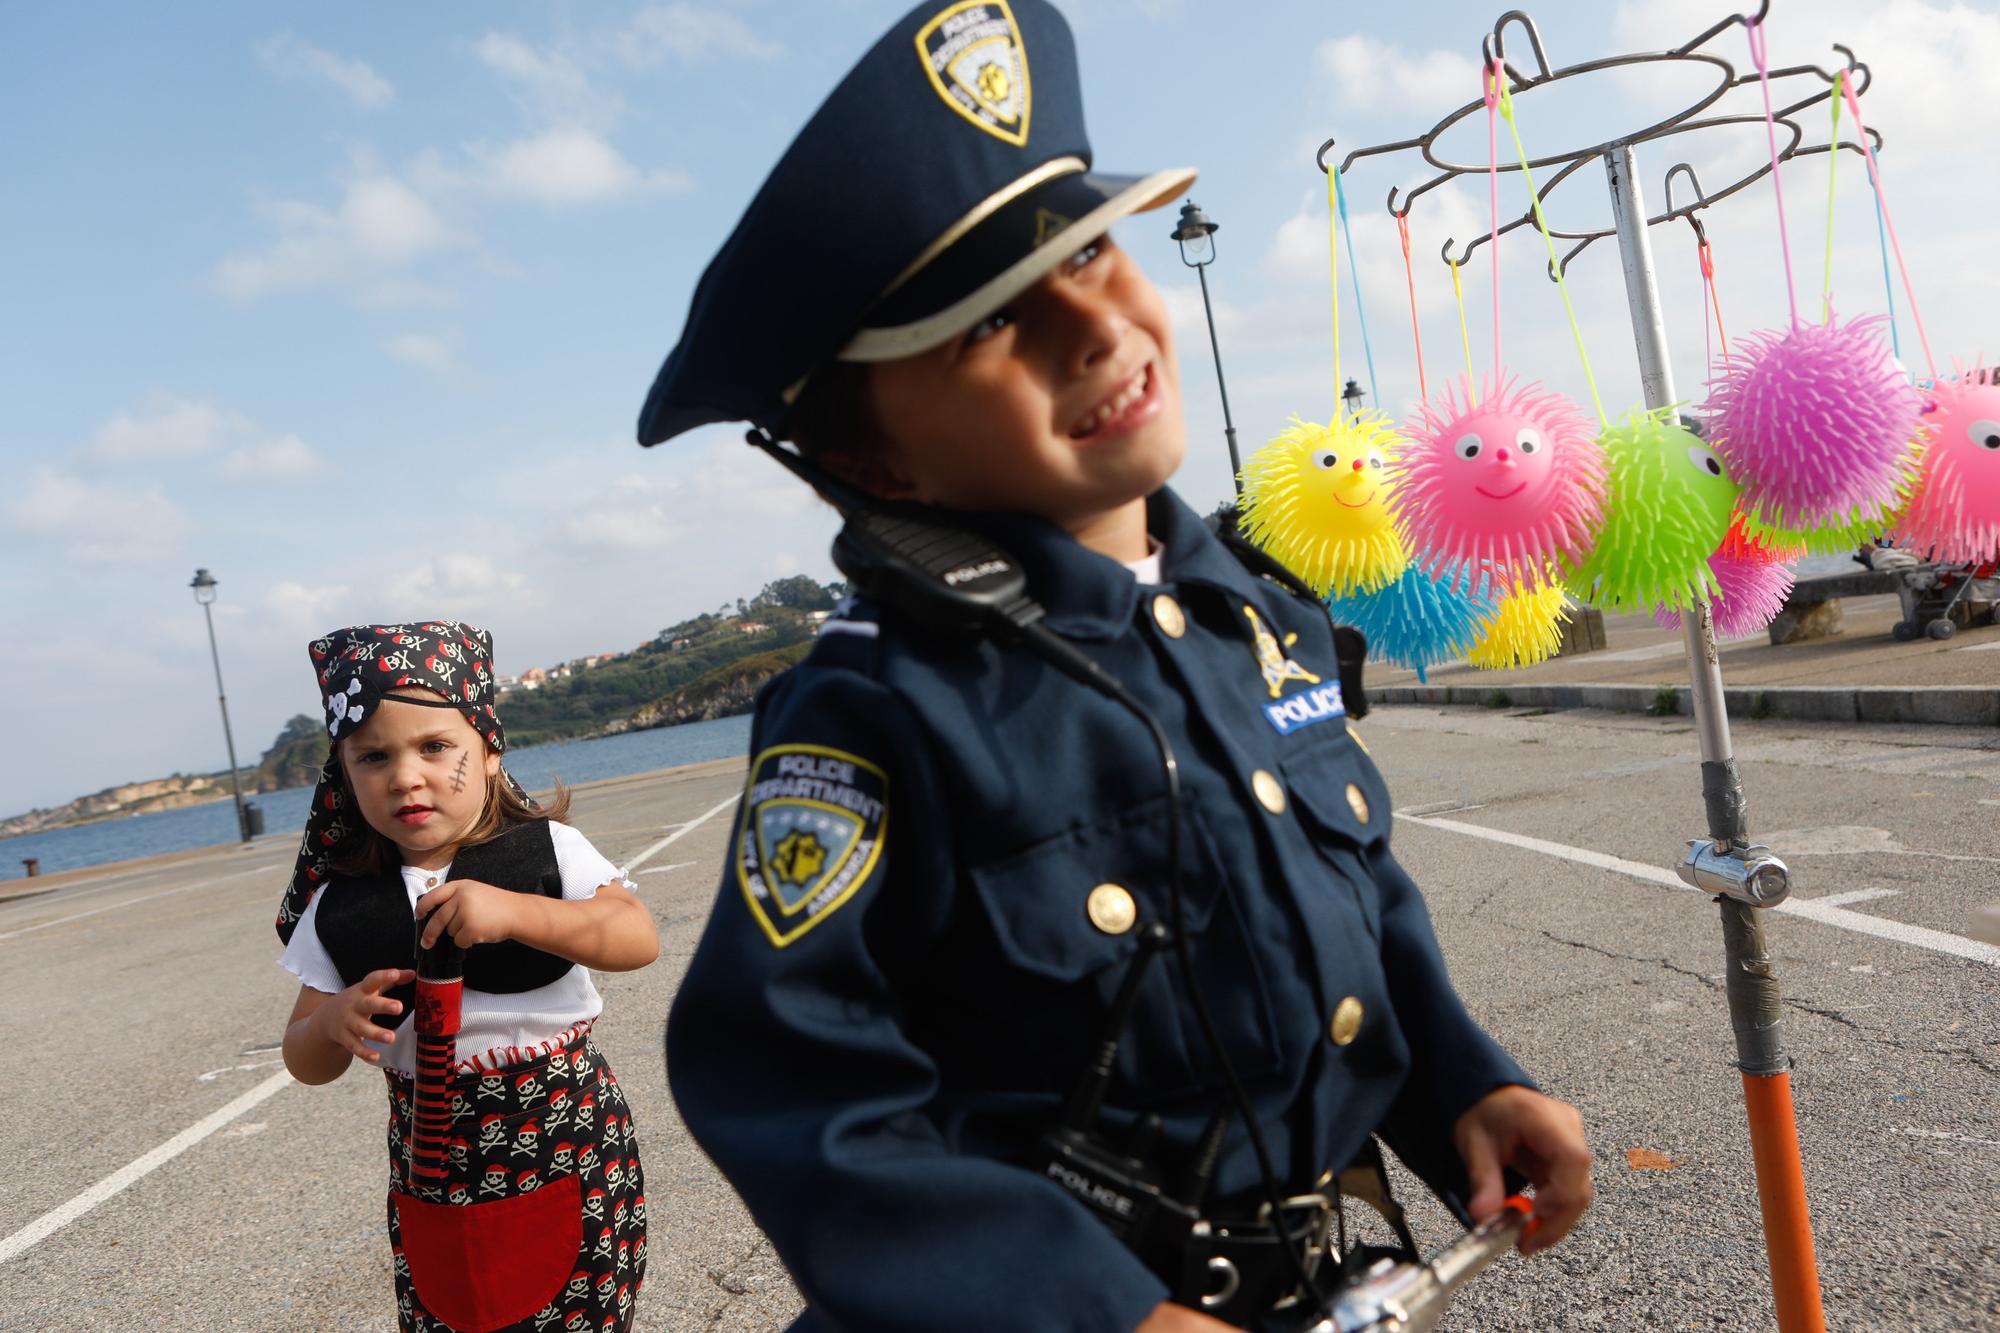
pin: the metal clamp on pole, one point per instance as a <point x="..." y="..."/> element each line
<point x="1750" y="875"/>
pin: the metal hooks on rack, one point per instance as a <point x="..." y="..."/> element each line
<point x="1493" y="48"/>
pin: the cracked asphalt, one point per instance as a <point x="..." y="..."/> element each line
<point x="128" y="1025"/>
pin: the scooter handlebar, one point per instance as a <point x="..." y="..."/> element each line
<point x="1396" y="1297"/>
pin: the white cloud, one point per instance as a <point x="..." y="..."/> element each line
<point x="307" y="610"/>
<point x="283" y="458"/>
<point x="1366" y="71"/>
<point x="422" y="349"/>
<point x="467" y="583"/>
<point x="381" y="225"/>
<point x="554" y="88"/>
<point x="567" y="166"/>
<point x="290" y="58"/>
<point x="167" y="428"/>
<point x="97" y="523"/>
<point x="690" y="33"/>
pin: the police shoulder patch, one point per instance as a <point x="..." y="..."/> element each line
<point x="810" y="836"/>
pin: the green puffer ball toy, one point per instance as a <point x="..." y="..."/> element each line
<point x="1668" y="510"/>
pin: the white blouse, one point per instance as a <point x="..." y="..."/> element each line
<point x="495" y="1030"/>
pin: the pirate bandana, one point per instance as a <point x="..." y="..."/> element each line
<point x="357" y="667"/>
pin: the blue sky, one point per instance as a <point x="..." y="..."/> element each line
<point x="355" y="305"/>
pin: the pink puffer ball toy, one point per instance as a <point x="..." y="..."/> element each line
<point x="1511" y="479"/>
<point x="1955" y="513"/>
<point x="1813" y="421"/>
<point x="1750" y="591"/>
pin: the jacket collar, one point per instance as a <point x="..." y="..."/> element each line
<point x="1091" y="596"/>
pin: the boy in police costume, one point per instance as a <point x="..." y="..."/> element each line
<point x="949" y="853"/>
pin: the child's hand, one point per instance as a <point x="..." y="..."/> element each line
<point x="347" y="1020"/>
<point x="470" y="911"/>
<point x="1541" y="1138"/>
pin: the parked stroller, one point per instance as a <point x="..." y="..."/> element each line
<point x="1937" y="599"/>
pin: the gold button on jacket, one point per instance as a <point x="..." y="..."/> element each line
<point x="1111" y="909"/>
<point x="1357" y="802"/>
<point x="1270" y="791"/>
<point x="1346" y="1023"/>
<point x="1167" y="611"/>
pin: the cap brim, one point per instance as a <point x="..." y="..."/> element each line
<point x="986" y="269"/>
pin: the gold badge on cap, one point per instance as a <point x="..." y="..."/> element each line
<point x="973" y="53"/>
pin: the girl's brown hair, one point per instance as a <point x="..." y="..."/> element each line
<point x="364" y="853"/>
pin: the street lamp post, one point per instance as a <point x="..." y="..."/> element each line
<point x="1196" y="235"/>
<point x="1351" y="395"/>
<point x="204" y="593"/>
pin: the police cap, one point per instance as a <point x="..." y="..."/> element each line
<point x="946" y="174"/>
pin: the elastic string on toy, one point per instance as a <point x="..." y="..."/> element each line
<point x="1333" y="259"/>
<point x="1706" y="253"/>
<point x="1495" y="74"/>
<point x="1832" y="174"/>
<point x="1708" y="300"/>
<point x="1416" y="329"/>
<point x="1354" y="276"/>
<point x="1889" y="224"/>
<point x="1555" y="265"/>
<point x="1465" y="333"/>
<point x="1888" y="283"/>
<point x="1755" y="32"/>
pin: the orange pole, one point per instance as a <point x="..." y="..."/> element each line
<point x="1781" y="1193"/>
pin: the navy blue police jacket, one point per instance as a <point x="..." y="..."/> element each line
<point x="905" y="971"/>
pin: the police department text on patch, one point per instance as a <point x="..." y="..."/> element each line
<point x="1318" y="704"/>
<point x="811" y="835"/>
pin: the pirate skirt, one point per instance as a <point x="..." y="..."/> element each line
<point x="532" y="1217"/>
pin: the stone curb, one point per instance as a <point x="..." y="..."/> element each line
<point x="1960" y="706"/>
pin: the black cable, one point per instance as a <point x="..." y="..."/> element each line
<point x="1060" y="654"/>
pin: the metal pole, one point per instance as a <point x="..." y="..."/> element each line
<point x="1750" y="982"/>
<point x="1228" y="427"/>
<point x="235" y="780"/>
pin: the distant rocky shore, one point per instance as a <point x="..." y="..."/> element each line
<point x="293" y="760"/>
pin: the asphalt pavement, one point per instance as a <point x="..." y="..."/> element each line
<point x="165" y="1173"/>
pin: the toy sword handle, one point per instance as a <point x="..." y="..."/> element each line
<point x="1411" y="1298"/>
<point x="440" y="987"/>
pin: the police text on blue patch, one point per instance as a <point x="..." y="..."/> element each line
<point x="1318" y="704"/>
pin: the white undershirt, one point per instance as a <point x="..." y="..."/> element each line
<point x="1148" y="570"/>
<point x="494" y="1027"/>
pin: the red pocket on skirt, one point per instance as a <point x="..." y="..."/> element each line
<point x="483" y="1266"/>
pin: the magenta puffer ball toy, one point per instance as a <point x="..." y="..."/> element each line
<point x="1510" y="480"/>
<point x="1814" y="421"/>
<point x="1749" y="592"/>
<point x="1955" y="513"/>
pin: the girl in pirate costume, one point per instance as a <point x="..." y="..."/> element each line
<point x="428" y="881"/>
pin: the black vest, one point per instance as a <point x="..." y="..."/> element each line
<point x="367" y="924"/>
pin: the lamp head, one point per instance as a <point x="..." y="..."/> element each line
<point x="1196" y="235"/>
<point x="203" y="584"/>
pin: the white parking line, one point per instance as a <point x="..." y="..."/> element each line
<point x="144" y="897"/>
<point x="661" y="870"/>
<point x="671" y="838"/>
<point x="1827" y="912"/>
<point x="57" y="1218"/>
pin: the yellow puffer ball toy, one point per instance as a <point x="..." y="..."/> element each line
<point x="1524" y="629"/>
<point x="1318" y="499"/>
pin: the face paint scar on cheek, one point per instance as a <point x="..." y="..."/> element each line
<point x="458" y="774"/>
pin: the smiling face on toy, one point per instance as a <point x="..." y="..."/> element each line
<point x="1318" y="497"/>
<point x="1344" y="489"/>
<point x="1504" y="459"/>
<point x="1513" y="479"/>
<point x="1967" y="430"/>
<point x="1955" y="513"/>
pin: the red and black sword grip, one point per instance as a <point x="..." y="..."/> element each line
<point x="440" y="986"/>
